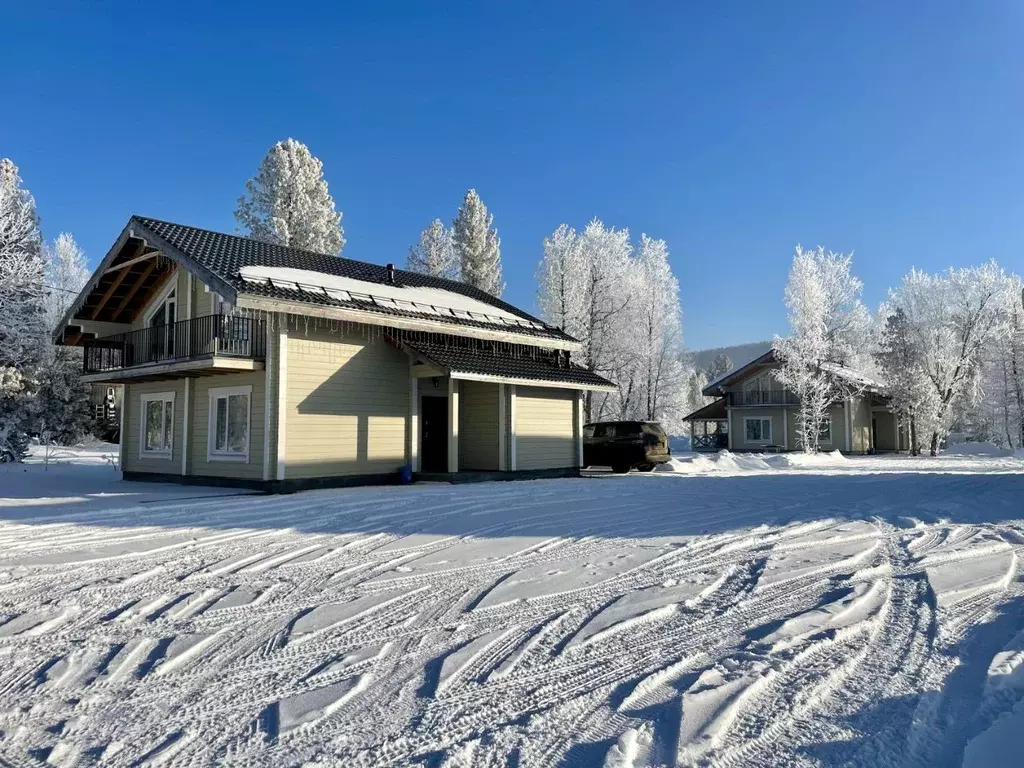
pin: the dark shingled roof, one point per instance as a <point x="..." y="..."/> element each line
<point x="225" y="256"/>
<point x="501" y="361"/>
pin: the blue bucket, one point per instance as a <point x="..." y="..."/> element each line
<point x="405" y="475"/>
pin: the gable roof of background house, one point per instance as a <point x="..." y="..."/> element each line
<point x="220" y="260"/>
<point x="770" y="360"/>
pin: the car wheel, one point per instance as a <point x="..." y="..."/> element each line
<point x="646" y="467"/>
<point x="620" y="469"/>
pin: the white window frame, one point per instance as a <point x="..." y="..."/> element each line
<point x="159" y="304"/>
<point x="212" y="454"/>
<point x="144" y="400"/>
<point x="763" y="440"/>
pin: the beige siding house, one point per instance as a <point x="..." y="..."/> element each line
<point x="240" y="362"/>
<point x="754" y="412"/>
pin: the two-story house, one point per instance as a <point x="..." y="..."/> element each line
<point x="755" y="412"/>
<point x="247" y="363"/>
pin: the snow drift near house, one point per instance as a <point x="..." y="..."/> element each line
<point x="829" y="615"/>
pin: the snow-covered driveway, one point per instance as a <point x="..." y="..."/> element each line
<point x="810" y="617"/>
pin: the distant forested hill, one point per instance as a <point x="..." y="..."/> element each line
<point x="740" y="354"/>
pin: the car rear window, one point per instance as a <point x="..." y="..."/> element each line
<point x="653" y="428"/>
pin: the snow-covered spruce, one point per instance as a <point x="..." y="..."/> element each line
<point x="477" y="246"/>
<point x="434" y="254"/>
<point x="287" y="202"/>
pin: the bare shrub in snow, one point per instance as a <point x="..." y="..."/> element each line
<point x="287" y="202"/>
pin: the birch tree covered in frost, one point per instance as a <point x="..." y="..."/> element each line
<point x="477" y="245"/>
<point x="22" y="313"/>
<point x="829" y="326"/>
<point x="434" y="254"/>
<point x="624" y="309"/>
<point x="951" y="318"/>
<point x="287" y="202"/>
<point x="61" y="405"/>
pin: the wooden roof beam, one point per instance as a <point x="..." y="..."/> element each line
<point x="134" y="289"/>
<point x="108" y="293"/>
<point x="132" y="261"/>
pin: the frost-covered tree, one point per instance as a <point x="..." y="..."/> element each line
<point x="61" y="405"/>
<point x="22" y="313"/>
<point x="829" y="325"/>
<point x="654" y="372"/>
<point x="952" y="317"/>
<point x="625" y="310"/>
<point x="718" y="367"/>
<point x="477" y="245"/>
<point x="560" y="285"/>
<point x="911" y="397"/>
<point x="435" y="253"/>
<point x="287" y="202"/>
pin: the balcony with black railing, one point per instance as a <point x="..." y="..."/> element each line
<point x="210" y="336"/>
<point x="763" y="397"/>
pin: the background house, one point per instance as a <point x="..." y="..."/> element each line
<point x="754" y="412"/>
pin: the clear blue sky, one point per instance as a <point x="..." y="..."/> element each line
<point x="732" y="130"/>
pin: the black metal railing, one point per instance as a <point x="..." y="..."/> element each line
<point x="200" y="337"/>
<point x="764" y="397"/>
<point x="716" y="441"/>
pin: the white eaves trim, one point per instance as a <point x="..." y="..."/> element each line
<point x="530" y="382"/>
<point x="249" y="301"/>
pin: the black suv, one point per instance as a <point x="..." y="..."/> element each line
<point x="623" y="445"/>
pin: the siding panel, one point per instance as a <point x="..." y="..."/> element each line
<point x="133" y="425"/>
<point x="544" y="428"/>
<point x="348" y="405"/>
<point x="200" y="466"/>
<point x="478" y="426"/>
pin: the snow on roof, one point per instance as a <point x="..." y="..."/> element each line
<point x="850" y="374"/>
<point x="420" y="300"/>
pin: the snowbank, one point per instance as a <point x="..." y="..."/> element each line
<point x="976" y="449"/>
<point x="727" y="461"/>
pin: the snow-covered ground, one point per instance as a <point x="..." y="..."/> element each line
<point x="835" y="611"/>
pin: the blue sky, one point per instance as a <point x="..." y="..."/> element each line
<point x="731" y="130"/>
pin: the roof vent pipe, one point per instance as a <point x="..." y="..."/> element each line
<point x="391" y="274"/>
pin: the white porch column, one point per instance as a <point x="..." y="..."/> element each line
<point x="269" y="383"/>
<point x="186" y="420"/>
<point x="414" y="421"/>
<point x="453" y="425"/>
<point x="120" y="428"/>
<point x="282" y="392"/>
<point x="512" y="427"/>
<point x="502" y="430"/>
<point x="785" y="429"/>
<point x="849" y="428"/>
<point x="579" y="427"/>
<point x="728" y="434"/>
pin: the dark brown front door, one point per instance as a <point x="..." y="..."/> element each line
<point x="434" y="434"/>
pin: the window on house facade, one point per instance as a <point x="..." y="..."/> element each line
<point x="157" y="433"/>
<point x="229" y="424"/>
<point x="825" y="430"/>
<point x="757" y="430"/>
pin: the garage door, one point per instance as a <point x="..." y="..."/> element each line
<point x="544" y="428"/>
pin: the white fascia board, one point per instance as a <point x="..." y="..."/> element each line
<point x="530" y="382"/>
